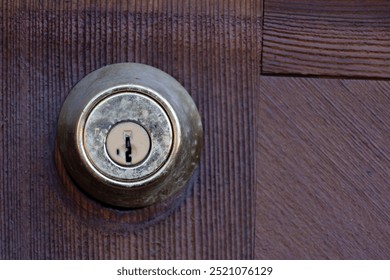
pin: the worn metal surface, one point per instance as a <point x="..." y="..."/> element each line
<point x="173" y="122"/>
<point x="127" y="107"/>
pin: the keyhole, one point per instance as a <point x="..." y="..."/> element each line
<point x="128" y="144"/>
<point x="128" y="149"/>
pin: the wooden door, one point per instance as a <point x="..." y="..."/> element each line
<point x="295" y="161"/>
<point x="47" y="47"/>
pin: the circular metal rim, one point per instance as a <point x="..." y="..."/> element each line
<point x="117" y="90"/>
<point x="124" y="171"/>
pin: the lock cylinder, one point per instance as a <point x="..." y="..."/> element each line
<point x="129" y="135"/>
<point x="128" y="143"/>
<point x="132" y="134"/>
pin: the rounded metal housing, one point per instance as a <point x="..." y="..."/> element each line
<point x="148" y="97"/>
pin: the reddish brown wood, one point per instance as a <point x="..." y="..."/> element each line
<point x="323" y="169"/>
<point x="331" y="38"/>
<point x="211" y="47"/>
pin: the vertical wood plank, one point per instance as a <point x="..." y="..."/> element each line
<point x="211" y="47"/>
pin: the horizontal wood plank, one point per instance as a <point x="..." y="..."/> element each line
<point x="327" y="38"/>
<point x="47" y="46"/>
<point x="323" y="169"/>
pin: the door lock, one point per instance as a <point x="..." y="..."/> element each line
<point x="129" y="135"/>
<point x="128" y="143"/>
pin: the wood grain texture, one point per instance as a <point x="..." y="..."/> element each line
<point x="327" y="38"/>
<point x="323" y="169"/>
<point x="211" y="47"/>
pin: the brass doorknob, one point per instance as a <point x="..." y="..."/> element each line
<point x="129" y="135"/>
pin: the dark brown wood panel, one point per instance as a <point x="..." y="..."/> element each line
<point x="211" y="47"/>
<point x="332" y="38"/>
<point x="323" y="169"/>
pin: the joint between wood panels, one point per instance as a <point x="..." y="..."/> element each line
<point x="315" y="76"/>
<point x="259" y="70"/>
<point x="262" y="7"/>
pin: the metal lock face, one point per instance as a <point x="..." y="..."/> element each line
<point x="129" y="135"/>
<point x="132" y="136"/>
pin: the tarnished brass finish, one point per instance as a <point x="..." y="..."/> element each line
<point x="130" y="92"/>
